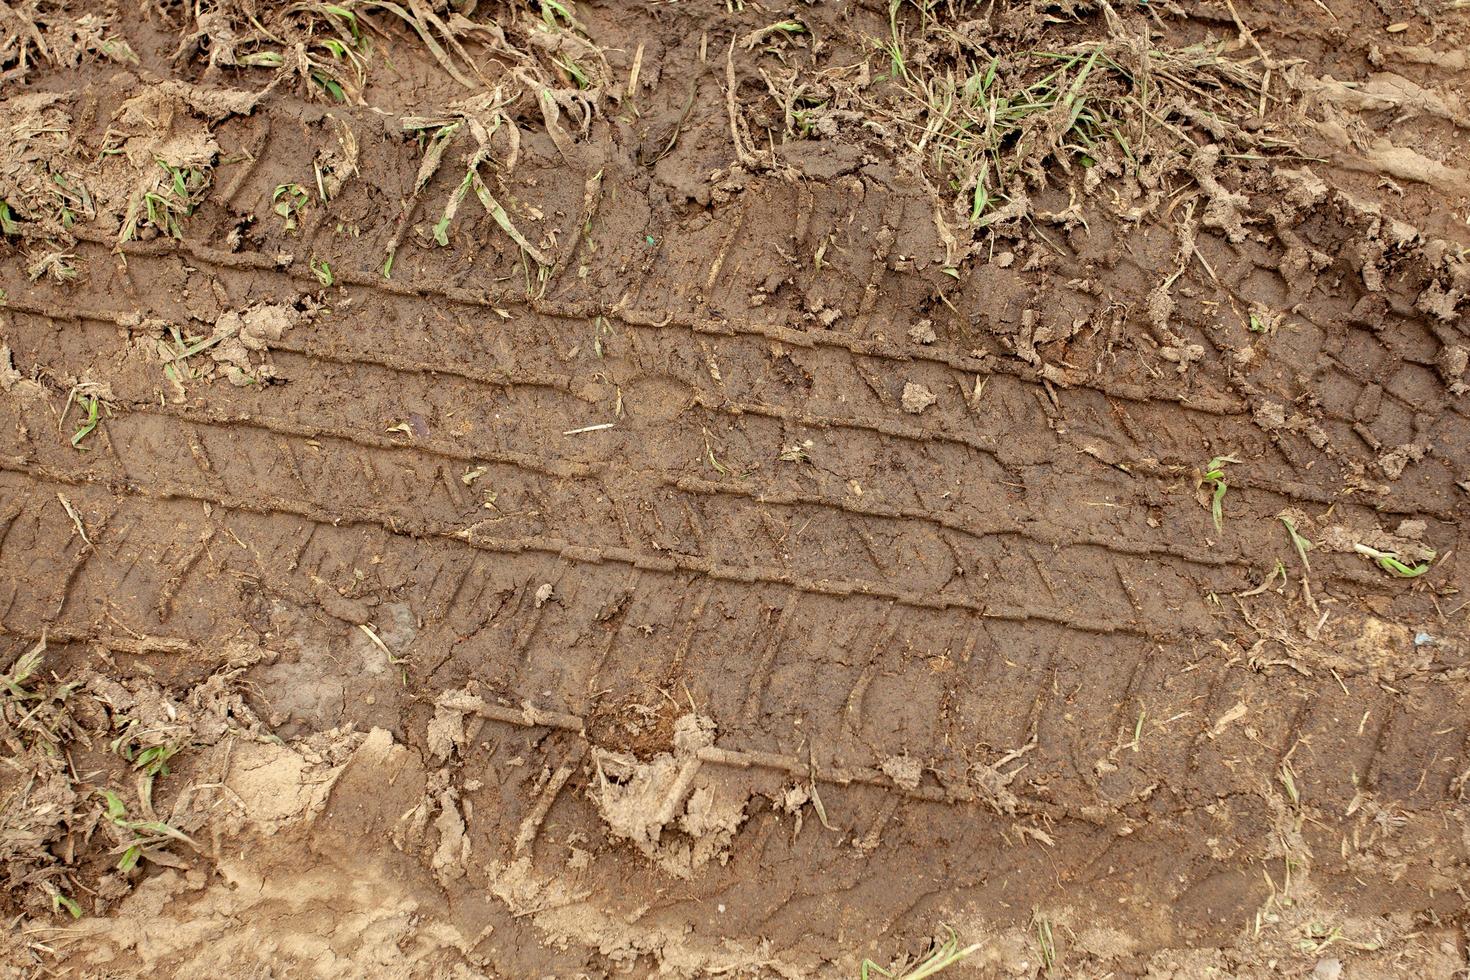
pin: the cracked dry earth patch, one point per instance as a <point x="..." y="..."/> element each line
<point x="524" y="490"/>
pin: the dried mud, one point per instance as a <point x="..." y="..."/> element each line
<point x="515" y="490"/>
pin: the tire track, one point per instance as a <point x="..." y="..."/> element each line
<point x="579" y="553"/>
<point x="732" y="407"/>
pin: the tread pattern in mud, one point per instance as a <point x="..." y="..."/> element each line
<point x="684" y="477"/>
<point x="895" y="594"/>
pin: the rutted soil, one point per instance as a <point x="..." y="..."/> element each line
<point x="703" y="489"/>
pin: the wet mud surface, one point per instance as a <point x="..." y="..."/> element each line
<point x="718" y="490"/>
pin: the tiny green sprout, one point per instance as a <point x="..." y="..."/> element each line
<point x="8" y="224"/>
<point x="60" y="901"/>
<point x="145" y="833"/>
<point x="1391" y="563"/>
<point x="289" y="200"/>
<point x="1301" y="543"/>
<point x="1047" y="943"/>
<point x="719" y="467"/>
<point x="329" y="85"/>
<point x="262" y="59"/>
<point x="323" y="271"/>
<point x="945" y="955"/>
<point x="1256" y="325"/>
<point x="440" y="230"/>
<point x="788" y="28"/>
<point x="119" y="50"/>
<point x="980" y="200"/>
<point x="91" y="404"/>
<point x="1214" y="477"/>
<point x="153" y="761"/>
<point x="20" y="672"/>
<point x="551" y="11"/>
<point x="601" y="328"/>
<point x="709" y="454"/>
<point x="1319" y="937"/>
<point x="130" y="857"/>
<point x="116" y="809"/>
<point x="575" y="71"/>
<point x="1287" y="775"/>
<point x="343" y="13"/>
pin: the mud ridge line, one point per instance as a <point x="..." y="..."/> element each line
<point x="1291" y="491"/>
<point x="307" y="600"/>
<point x="695" y="486"/>
<point x="528" y="716"/>
<point x="685" y="485"/>
<point x="882" y="350"/>
<point x="543" y="465"/>
<point x="672" y="563"/>
<point x="698" y="486"/>
<point x="140" y="645"/>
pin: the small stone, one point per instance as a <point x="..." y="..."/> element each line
<point x="916" y="398"/>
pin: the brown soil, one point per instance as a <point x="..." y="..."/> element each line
<point x="730" y="542"/>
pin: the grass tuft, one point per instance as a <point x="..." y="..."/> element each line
<point x="989" y="123"/>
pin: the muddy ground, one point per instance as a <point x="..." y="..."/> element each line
<point x="691" y="488"/>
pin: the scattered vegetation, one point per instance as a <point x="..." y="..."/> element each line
<point x="1393" y="563"/>
<point x="945" y="954"/>
<point x="91" y="406"/>
<point x="344" y="67"/>
<point x="138" y="837"/>
<point x="482" y="118"/>
<point x="327" y="47"/>
<point x="70" y="200"/>
<point x="14" y="680"/>
<point x="288" y="201"/>
<point x="74" y="833"/>
<point x="1044" y="938"/>
<point x="56" y="265"/>
<point x="992" y="125"/>
<point x="163" y="206"/>
<point x="89" y="403"/>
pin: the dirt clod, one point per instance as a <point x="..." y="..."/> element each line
<point x="917" y="397"/>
